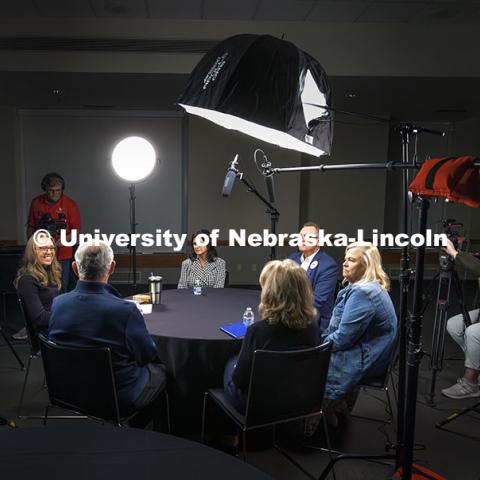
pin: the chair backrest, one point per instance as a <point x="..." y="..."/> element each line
<point x="381" y="380"/>
<point x="286" y="384"/>
<point x="31" y="330"/>
<point x="80" y="379"/>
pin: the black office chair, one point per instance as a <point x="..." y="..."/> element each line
<point x="381" y="383"/>
<point x="34" y="354"/>
<point x="81" y="379"/>
<point x="284" y="386"/>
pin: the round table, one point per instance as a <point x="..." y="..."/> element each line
<point x="186" y="329"/>
<point x="91" y="452"/>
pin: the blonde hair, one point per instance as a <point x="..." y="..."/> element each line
<point x="372" y="261"/>
<point x="46" y="275"/>
<point x="286" y="295"/>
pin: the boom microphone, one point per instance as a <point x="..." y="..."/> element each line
<point x="230" y="177"/>
<point x="268" y="175"/>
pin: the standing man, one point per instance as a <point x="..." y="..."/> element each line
<point x="54" y="211"/>
<point x="321" y="271"/>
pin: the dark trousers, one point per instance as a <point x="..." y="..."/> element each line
<point x="232" y="392"/>
<point x="151" y="403"/>
<point x="66" y="268"/>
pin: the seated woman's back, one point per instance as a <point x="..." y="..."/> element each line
<point x="288" y="323"/>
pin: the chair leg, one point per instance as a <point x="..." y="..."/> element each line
<point x="204" y="413"/>
<point x="27" y="371"/>
<point x="45" y="418"/>
<point x="244" y="445"/>
<point x="390" y="407"/>
<point x="167" y="407"/>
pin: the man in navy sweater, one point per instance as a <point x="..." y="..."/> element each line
<point x="94" y="314"/>
<point x="321" y="271"/>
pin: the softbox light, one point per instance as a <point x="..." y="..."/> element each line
<point x="266" y="88"/>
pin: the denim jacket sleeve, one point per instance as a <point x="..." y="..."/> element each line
<point x="357" y="315"/>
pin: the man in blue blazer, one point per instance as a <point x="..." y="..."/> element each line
<point x="321" y="270"/>
<point x="93" y="315"/>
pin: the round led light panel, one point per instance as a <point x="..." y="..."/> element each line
<point x="133" y="159"/>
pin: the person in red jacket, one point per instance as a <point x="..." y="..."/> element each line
<point x="54" y="211"/>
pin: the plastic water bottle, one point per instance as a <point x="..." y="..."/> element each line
<point x="248" y="317"/>
<point x="197" y="288"/>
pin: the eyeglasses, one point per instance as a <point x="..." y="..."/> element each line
<point x="46" y="249"/>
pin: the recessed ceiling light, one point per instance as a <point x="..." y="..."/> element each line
<point x="350" y="95"/>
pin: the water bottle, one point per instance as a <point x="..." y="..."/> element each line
<point x="197" y="288"/>
<point x="248" y="317"/>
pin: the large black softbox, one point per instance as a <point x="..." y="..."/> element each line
<point x="266" y="88"/>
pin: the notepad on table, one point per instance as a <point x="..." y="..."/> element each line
<point x="235" y="330"/>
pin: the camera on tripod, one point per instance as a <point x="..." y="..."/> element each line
<point x="52" y="225"/>
<point x="454" y="232"/>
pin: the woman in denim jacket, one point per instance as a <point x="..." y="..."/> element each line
<point x="363" y="324"/>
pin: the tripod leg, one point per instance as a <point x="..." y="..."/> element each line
<point x="439" y="326"/>
<point x="455" y="415"/>
<point x="7" y="341"/>
<point x="461" y="302"/>
<point x="11" y="347"/>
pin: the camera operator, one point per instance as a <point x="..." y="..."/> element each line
<point x="468" y="338"/>
<point x="54" y="211"/>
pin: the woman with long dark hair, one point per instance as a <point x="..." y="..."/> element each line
<point x="204" y="267"/>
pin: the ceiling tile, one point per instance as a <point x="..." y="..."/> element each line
<point x="289" y="10"/>
<point x="17" y="8"/>
<point x="446" y="12"/>
<point x="175" y="9"/>
<point x="382" y="12"/>
<point x="65" y="8"/>
<point x="221" y="10"/>
<point x="337" y="11"/>
<point x="119" y="8"/>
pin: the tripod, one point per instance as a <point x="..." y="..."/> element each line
<point x="447" y="276"/>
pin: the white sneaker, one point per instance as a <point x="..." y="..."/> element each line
<point x="20" y="335"/>
<point x="462" y="389"/>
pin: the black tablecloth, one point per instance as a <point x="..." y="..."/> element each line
<point x="186" y="328"/>
<point x="102" y="452"/>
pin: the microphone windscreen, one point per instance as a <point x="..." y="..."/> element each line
<point x="270" y="188"/>
<point x="228" y="183"/>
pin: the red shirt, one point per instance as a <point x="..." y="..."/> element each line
<point x="40" y="206"/>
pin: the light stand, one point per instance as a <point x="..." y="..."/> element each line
<point x="133" y="160"/>
<point x="133" y="230"/>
